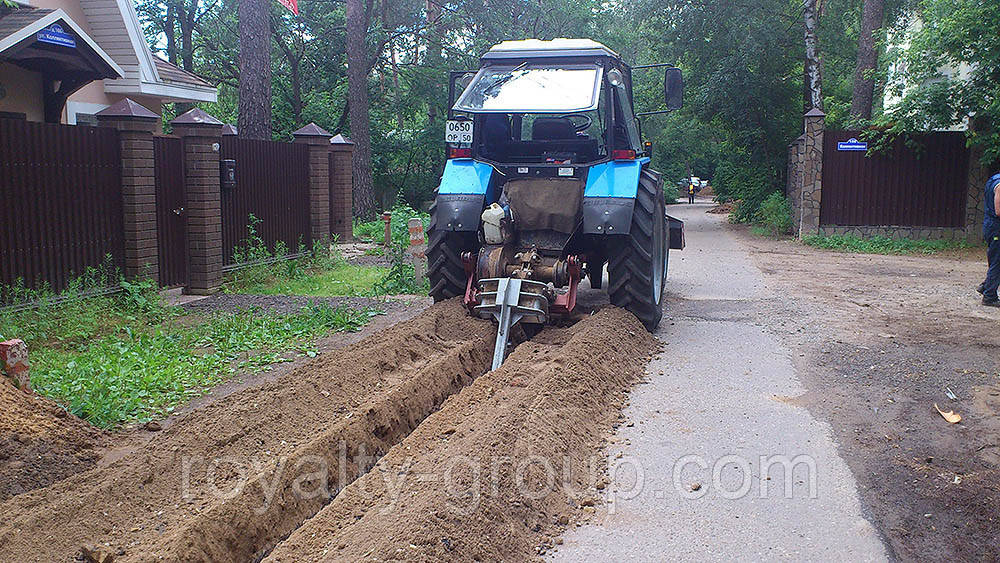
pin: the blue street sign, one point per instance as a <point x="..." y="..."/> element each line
<point x="55" y="35"/>
<point x="852" y="144"/>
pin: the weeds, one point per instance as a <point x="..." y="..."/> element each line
<point x="882" y="245"/>
<point x="774" y="216"/>
<point x="323" y="273"/>
<point x="112" y="360"/>
<point x="375" y="230"/>
<point x="401" y="277"/>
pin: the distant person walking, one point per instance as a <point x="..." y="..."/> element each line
<point x="991" y="232"/>
<point x="690" y="192"/>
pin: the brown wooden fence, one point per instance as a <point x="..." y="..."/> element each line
<point x="171" y="237"/>
<point x="920" y="182"/>
<point x="60" y="202"/>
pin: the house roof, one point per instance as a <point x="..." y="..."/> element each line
<point x="50" y="41"/>
<point x="115" y="23"/>
<point x="170" y="72"/>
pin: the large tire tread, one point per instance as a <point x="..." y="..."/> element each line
<point x="631" y="268"/>
<point x="444" y="259"/>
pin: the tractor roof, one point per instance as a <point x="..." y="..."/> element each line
<point x="537" y="48"/>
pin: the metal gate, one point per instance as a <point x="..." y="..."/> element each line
<point x="919" y="181"/>
<point x="171" y="224"/>
<point x="60" y="202"/>
<point x="272" y="185"/>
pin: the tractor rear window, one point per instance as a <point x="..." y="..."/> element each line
<point x="532" y="89"/>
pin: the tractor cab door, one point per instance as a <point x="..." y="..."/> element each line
<point x="458" y="80"/>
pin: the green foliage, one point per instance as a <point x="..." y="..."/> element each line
<point x="338" y="279"/>
<point x="374" y="231"/>
<point x="138" y="369"/>
<point x="322" y="272"/>
<point x="775" y="215"/>
<point x="881" y="244"/>
<point x="956" y="34"/>
<point x="744" y="182"/>
<point x="670" y="193"/>
<point x="400" y="278"/>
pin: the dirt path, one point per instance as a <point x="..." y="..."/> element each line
<point x="880" y="339"/>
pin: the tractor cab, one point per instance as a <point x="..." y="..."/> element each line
<point x="565" y="101"/>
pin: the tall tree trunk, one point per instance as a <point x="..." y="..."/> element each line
<point x="357" y="92"/>
<point x="393" y="64"/>
<point x="434" y="43"/>
<point x="255" y="70"/>
<point x="813" y="76"/>
<point x="169" y="30"/>
<point x="864" y="83"/>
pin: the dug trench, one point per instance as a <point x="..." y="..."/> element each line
<point x="502" y="468"/>
<point x="230" y="481"/>
<point x="222" y="483"/>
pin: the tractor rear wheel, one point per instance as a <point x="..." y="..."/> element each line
<point x="445" y="270"/>
<point x="638" y="270"/>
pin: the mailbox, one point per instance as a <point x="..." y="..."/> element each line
<point x="227" y="172"/>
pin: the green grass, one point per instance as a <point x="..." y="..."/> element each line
<point x="882" y="245"/>
<point x="341" y="280"/>
<point x="113" y="360"/>
<point x="324" y="274"/>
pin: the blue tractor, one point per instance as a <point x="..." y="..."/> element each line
<point x="547" y="181"/>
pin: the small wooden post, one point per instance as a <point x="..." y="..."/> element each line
<point x="417" y="248"/>
<point x="387" y="217"/>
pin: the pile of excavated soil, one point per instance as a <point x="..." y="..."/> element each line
<point x="723" y="208"/>
<point x="40" y="443"/>
<point x="228" y="481"/>
<point x="505" y="464"/>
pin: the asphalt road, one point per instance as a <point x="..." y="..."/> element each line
<point x="698" y="469"/>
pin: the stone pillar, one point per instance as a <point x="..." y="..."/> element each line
<point x="318" y="141"/>
<point x="793" y="183"/>
<point x="135" y="125"/>
<point x="201" y="134"/>
<point x="978" y="175"/>
<point x="342" y="189"/>
<point x="812" y="173"/>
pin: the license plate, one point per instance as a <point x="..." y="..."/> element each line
<point x="458" y="132"/>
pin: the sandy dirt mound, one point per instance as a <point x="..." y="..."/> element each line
<point x="228" y="481"/>
<point x="503" y="466"/>
<point x="40" y="443"/>
<point x="723" y="208"/>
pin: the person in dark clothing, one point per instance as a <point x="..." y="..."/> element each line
<point x="691" y="192"/>
<point x="991" y="232"/>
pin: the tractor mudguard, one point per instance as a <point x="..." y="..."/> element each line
<point x="676" y="233"/>
<point x="459" y="212"/>
<point x="466" y="187"/>
<point x="610" y="195"/>
<point x="607" y="215"/>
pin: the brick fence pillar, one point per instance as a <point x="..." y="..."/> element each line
<point x="812" y="173"/>
<point x="318" y="141"/>
<point x="135" y="125"/>
<point x="341" y="188"/>
<point x="202" y="134"/>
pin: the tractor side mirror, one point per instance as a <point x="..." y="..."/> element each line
<point x="673" y="88"/>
